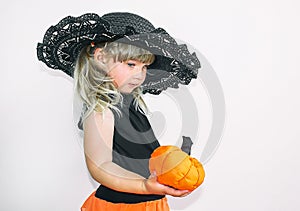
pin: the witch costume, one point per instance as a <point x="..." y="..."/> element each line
<point x="173" y="65"/>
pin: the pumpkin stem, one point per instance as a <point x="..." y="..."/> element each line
<point x="186" y="144"/>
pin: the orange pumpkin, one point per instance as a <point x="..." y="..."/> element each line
<point x="176" y="168"/>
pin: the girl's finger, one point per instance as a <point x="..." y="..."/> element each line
<point x="153" y="174"/>
<point x="175" y="192"/>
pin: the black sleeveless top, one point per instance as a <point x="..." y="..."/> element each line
<point x="133" y="143"/>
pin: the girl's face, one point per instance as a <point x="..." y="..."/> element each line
<point x="127" y="75"/>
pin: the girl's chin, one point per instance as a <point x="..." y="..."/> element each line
<point x="128" y="88"/>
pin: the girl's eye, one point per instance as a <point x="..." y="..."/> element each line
<point x="131" y="64"/>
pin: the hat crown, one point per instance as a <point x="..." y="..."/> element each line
<point x="63" y="42"/>
<point x="120" y="20"/>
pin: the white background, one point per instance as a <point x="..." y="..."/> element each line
<point x="253" y="47"/>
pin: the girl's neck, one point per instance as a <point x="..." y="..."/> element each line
<point x="127" y="98"/>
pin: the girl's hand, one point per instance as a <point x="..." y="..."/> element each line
<point x="152" y="186"/>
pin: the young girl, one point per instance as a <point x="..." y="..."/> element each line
<point x="110" y="57"/>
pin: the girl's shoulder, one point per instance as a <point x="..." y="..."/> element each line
<point x="106" y="113"/>
<point x="100" y="119"/>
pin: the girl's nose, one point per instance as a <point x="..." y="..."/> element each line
<point x="138" y="75"/>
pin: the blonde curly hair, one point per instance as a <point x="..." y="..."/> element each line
<point x="95" y="87"/>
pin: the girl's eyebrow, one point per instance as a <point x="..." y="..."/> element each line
<point x="131" y="60"/>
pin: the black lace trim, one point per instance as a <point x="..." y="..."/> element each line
<point x="174" y="64"/>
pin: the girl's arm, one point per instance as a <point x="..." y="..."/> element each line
<point x="98" y="140"/>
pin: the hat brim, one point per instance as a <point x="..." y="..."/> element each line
<point x="173" y="64"/>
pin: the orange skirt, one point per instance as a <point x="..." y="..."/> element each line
<point x="93" y="203"/>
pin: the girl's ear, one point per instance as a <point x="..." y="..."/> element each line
<point x="98" y="55"/>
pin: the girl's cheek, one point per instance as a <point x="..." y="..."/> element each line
<point x="120" y="77"/>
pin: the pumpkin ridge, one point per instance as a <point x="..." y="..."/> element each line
<point x="186" y="172"/>
<point x="199" y="176"/>
<point x="163" y="162"/>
